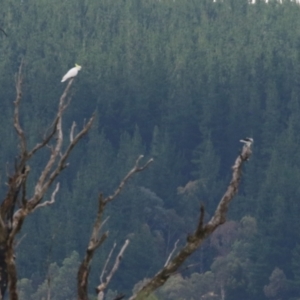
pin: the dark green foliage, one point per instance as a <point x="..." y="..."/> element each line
<point x="179" y="81"/>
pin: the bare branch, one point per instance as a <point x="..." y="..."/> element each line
<point x="3" y="230"/>
<point x="52" y="159"/>
<point x="134" y="170"/>
<point x="46" y="203"/>
<point x="11" y="220"/>
<point x="44" y="181"/>
<point x="12" y="273"/>
<point x="95" y="242"/>
<point x="72" y="132"/>
<point x="100" y="296"/>
<point x="84" y="268"/>
<point x="24" y="189"/>
<point x="42" y="186"/>
<point x="59" y="140"/>
<point x="61" y="108"/>
<point x="202" y="231"/>
<point x="172" y="252"/>
<point x="15" y="183"/>
<point x="103" y="285"/>
<point x="62" y="163"/>
<point x="46" y="139"/>
<point x="107" y="261"/>
<point x="117" y="262"/>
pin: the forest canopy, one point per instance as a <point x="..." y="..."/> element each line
<point x="182" y="82"/>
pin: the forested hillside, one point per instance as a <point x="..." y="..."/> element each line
<point x="182" y="82"/>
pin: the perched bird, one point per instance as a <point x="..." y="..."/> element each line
<point x="247" y="141"/>
<point x="71" y="73"/>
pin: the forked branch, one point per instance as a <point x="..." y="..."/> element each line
<point x="104" y="284"/>
<point x="201" y="232"/>
<point x="11" y="220"/>
<point x="56" y="162"/>
<point x="51" y="201"/>
<point x="134" y="170"/>
<point x="95" y="241"/>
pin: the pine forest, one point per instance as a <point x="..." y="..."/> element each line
<point x="179" y="81"/>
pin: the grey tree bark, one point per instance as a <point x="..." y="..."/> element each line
<point x="202" y="230"/>
<point x="11" y="218"/>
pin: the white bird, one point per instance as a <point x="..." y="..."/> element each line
<point x="247" y="141"/>
<point x="71" y="73"/>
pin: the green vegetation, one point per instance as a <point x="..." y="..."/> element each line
<point x="180" y="81"/>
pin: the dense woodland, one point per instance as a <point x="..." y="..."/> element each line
<point x="182" y="82"/>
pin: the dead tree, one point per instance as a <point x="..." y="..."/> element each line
<point x="96" y="241"/>
<point x="201" y="232"/>
<point x="193" y="242"/>
<point x="18" y="203"/>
